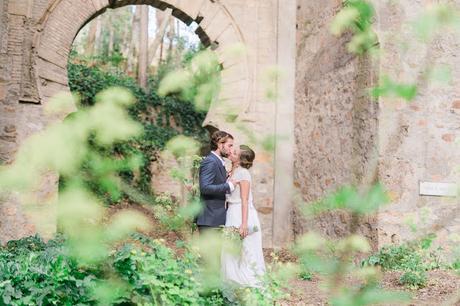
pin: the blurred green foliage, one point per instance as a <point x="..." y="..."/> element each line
<point x="351" y="199"/>
<point x="198" y="81"/>
<point x="390" y="88"/>
<point x="333" y="259"/>
<point x="357" y="16"/>
<point x="434" y="18"/>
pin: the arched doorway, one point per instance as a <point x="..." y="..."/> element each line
<point x="215" y="28"/>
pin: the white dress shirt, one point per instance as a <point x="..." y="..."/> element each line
<point x="223" y="164"/>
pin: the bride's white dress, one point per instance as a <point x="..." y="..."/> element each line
<point x="247" y="269"/>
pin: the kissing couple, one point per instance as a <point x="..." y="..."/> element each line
<point x="227" y="201"/>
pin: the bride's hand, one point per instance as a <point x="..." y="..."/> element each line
<point x="243" y="231"/>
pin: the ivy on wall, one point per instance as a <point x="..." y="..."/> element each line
<point x="162" y="118"/>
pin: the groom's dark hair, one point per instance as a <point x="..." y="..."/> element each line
<point x="219" y="137"/>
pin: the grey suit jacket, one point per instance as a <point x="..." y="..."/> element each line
<point x="213" y="187"/>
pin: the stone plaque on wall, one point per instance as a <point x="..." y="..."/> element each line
<point x="438" y="189"/>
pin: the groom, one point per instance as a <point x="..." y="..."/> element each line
<point x="214" y="184"/>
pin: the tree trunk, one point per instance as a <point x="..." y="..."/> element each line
<point x="161" y="29"/>
<point x="89" y="48"/>
<point x="143" y="46"/>
<point x="132" y="54"/>
<point x="171" y="33"/>
<point x="160" y="59"/>
<point x="178" y="28"/>
<point x="126" y="39"/>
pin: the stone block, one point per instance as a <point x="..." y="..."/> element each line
<point x="3" y="91"/>
<point x="162" y="182"/>
<point x="21" y="8"/>
<point x="217" y="27"/>
<point x="100" y="4"/>
<point x="52" y="72"/>
<point x="208" y="11"/>
<point x="191" y="8"/>
<point x="50" y="89"/>
<point x="228" y="38"/>
<point x="232" y="73"/>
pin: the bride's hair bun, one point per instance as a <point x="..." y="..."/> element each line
<point x="247" y="156"/>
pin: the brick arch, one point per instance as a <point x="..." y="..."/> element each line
<point x="63" y="20"/>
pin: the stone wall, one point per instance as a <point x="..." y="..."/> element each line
<point x="3" y="45"/>
<point x="335" y="120"/>
<point x="418" y="140"/>
<point x="15" y="51"/>
<point x="7" y="131"/>
<point x="343" y="137"/>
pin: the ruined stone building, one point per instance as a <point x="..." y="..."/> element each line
<point x="329" y="132"/>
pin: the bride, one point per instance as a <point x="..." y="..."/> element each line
<point x="247" y="268"/>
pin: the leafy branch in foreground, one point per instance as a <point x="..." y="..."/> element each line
<point x="357" y="16"/>
<point x="336" y="265"/>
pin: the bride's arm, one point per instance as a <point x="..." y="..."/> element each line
<point x="244" y="193"/>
